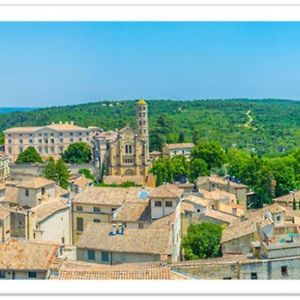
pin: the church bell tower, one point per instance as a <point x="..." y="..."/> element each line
<point x="142" y="121"/>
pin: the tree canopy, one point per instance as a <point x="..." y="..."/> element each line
<point x="77" y="153"/>
<point x="202" y="241"/>
<point x="29" y="155"/>
<point x="57" y="171"/>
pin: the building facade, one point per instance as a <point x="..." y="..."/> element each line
<point x="49" y="140"/>
<point x="4" y="168"/>
<point x="125" y="152"/>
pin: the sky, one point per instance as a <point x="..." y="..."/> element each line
<point x="46" y="64"/>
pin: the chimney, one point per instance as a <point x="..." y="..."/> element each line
<point x="120" y="229"/>
<point x="114" y="229"/>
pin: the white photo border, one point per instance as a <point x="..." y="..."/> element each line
<point x="192" y="13"/>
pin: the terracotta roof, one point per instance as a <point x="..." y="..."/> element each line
<point x="114" y="179"/>
<point x="59" y="191"/>
<point x="35" y="183"/>
<point x="164" y="222"/>
<point x="127" y="271"/>
<point x="114" y="196"/>
<point x="218" y="215"/>
<point x="11" y="194"/>
<point x="197" y="200"/>
<point x="47" y="208"/>
<point x="180" y="145"/>
<point x="134" y="211"/>
<point x="288" y="198"/>
<point x="55" y="127"/>
<point x="239" y="229"/>
<point x="274" y="208"/>
<point x="25" y="255"/>
<point x="166" y="191"/>
<point x="82" y="181"/>
<point x="98" y="236"/>
<point x="217" y="194"/>
<point x="220" y="180"/>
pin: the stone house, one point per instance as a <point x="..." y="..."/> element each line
<point x="171" y="150"/>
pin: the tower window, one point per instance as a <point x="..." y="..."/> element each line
<point x="128" y="149"/>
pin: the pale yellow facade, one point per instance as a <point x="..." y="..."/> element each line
<point x="49" y="140"/>
<point x="86" y="213"/>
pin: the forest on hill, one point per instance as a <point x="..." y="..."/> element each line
<point x="264" y="126"/>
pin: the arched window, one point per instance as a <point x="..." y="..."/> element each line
<point x="128" y="149"/>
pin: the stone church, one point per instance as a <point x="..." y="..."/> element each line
<point x="125" y="152"/>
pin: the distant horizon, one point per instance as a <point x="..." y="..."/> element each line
<point x="63" y="63"/>
<point x="125" y="100"/>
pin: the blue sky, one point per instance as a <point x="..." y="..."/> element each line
<point x="44" y="64"/>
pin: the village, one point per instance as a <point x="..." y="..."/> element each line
<point x="84" y="230"/>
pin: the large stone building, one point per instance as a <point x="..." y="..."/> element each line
<point x="126" y="151"/>
<point x="49" y="140"/>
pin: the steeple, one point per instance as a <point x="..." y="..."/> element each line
<point x="142" y="121"/>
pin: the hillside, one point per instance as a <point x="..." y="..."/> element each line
<point x="265" y="125"/>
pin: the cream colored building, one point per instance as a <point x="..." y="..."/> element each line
<point x="49" y="140"/>
<point x="97" y="204"/>
<point x="171" y="150"/>
<point x="50" y="221"/>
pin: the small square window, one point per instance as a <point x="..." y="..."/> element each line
<point x="253" y="275"/>
<point x="157" y="203"/>
<point x="79" y="208"/>
<point x="91" y="254"/>
<point x="31" y="274"/>
<point x="284" y="270"/>
<point x="97" y="221"/>
<point x="97" y="209"/>
<point x="169" y="203"/>
<point x="278" y="218"/>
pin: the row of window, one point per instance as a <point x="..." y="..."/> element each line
<point x="80" y="226"/>
<point x="158" y="203"/>
<point x="104" y="255"/>
<point x="47" y="141"/>
<point x="29" y="274"/>
<point x="95" y="209"/>
<point x="52" y="134"/>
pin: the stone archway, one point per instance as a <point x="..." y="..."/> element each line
<point x="129" y="172"/>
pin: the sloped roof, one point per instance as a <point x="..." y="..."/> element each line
<point x="81" y="181"/>
<point x="134" y="211"/>
<point x="35" y="183"/>
<point x="288" y="197"/>
<point x="115" y="179"/>
<point x="48" y="208"/>
<point x="25" y="255"/>
<point x="166" y="191"/>
<point x="180" y="145"/>
<point x="127" y="271"/>
<point x="149" y="241"/>
<point x="114" y="196"/>
<point x="221" y="216"/>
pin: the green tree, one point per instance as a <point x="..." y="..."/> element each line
<point x="49" y="170"/>
<point x="181" y="137"/>
<point x="77" y="153"/>
<point x="198" y="167"/>
<point x="196" y="136"/>
<point x="159" y="177"/>
<point x="29" y="155"/>
<point x="57" y="171"/>
<point x="63" y="173"/>
<point x="294" y="203"/>
<point x="211" y="152"/>
<point x="202" y="241"/>
<point x="87" y="173"/>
